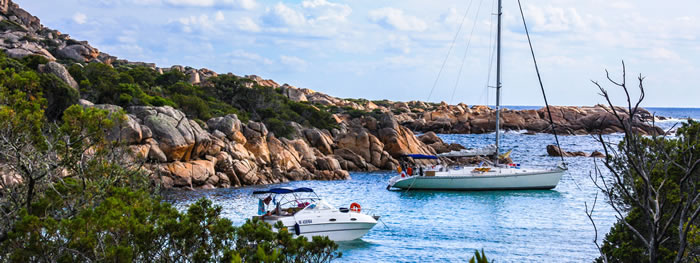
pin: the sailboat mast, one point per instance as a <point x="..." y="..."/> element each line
<point x="498" y="82"/>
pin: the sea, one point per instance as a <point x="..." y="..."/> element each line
<point x="448" y="226"/>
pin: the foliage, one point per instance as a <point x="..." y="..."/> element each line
<point x="129" y="85"/>
<point x="479" y="257"/>
<point x="653" y="184"/>
<point x="33" y="61"/>
<point x="82" y="198"/>
<point x="256" y="243"/>
<point x="59" y="95"/>
<point x="621" y="244"/>
<point x="268" y="105"/>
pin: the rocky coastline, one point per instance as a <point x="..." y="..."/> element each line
<point x="225" y="152"/>
<point x="179" y="152"/>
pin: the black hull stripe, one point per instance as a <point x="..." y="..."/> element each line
<point x="311" y="232"/>
<point x="335" y="223"/>
<point x="483" y="189"/>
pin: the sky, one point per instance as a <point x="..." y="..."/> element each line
<point x="378" y="49"/>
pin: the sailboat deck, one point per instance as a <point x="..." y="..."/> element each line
<point x="493" y="172"/>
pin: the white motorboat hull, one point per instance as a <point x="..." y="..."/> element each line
<point x="337" y="231"/>
<point x="500" y="179"/>
<point x="336" y="226"/>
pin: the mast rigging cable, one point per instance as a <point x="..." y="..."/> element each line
<point x="532" y="51"/>
<point x="466" y="51"/>
<point x="449" y="50"/>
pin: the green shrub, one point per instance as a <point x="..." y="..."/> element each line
<point x="7" y="62"/>
<point x="58" y="94"/>
<point x="33" y="61"/>
<point x="99" y="207"/>
<point x="279" y="128"/>
<point x="193" y="106"/>
<point x="169" y="78"/>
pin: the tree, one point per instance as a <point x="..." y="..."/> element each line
<point x="80" y="197"/>
<point x="652" y="183"/>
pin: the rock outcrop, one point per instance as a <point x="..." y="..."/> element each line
<point x="568" y="120"/>
<point x="553" y="150"/>
<point x="180" y="153"/>
<point x="227" y="153"/>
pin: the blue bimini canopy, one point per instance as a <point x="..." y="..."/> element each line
<point x="304" y="190"/>
<point x="284" y="191"/>
<point x="420" y="156"/>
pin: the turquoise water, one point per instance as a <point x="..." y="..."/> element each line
<point x="423" y="226"/>
<point x="511" y="226"/>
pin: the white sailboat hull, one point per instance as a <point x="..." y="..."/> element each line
<point x="498" y="179"/>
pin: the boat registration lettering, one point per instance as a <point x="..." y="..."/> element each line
<point x="304" y="222"/>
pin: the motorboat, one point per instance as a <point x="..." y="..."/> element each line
<point x="476" y="178"/>
<point x="304" y="213"/>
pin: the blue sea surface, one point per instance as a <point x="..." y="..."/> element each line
<point x="443" y="226"/>
<point x="425" y="226"/>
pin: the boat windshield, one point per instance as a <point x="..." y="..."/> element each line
<point x="287" y="202"/>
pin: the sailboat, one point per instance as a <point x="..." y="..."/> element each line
<point x="490" y="177"/>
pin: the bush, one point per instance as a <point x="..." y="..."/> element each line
<point x="279" y="128"/>
<point x="193" y="106"/>
<point x="58" y="94"/>
<point x="170" y="78"/>
<point x="99" y="207"/>
<point x="33" y="61"/>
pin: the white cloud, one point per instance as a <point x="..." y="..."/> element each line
<point x="451" y="17"/>
<point x="554" y="19"/>
<point x="621" y="5"/>
<point x="219" y="16"/>
<point x="320" y="10"/>
<point x="80" y="18"/>
<point x="663" y="54"/>
<point x="247" y="24"/>
<point x="244" y="56"/>
<point x="294" y="62"/>
<point x="243" y="4"/>
<point x="247" y="4"/>
<point x="282" y="15"/>
<point x="393" y="18"/>
<point x="199" y="23"/>
<point x="400" y="43"/>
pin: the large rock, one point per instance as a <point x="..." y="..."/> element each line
<point x="399" y="140"/>
<point x="129" y="131"/>
<point x="352" y="161"/>
<point x="359" y="141"/>
<point x="193" y="173"/>
<point x="429" y="138"/>
<point x="246" y="172"/>
<point x="61" y="72"/>
<point x="553" y="150"/>
<point x="293" y="93"/>
<point x="328" y="163"/>
<point x="256" y="142"/>
<point x="322" y="140"/>
<point x="228" y="125"/>
<point x="283" y="155"/>
<point x="171" y="128"/>
<point x="78" y="52"/>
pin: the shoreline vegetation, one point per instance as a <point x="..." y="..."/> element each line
<point x="88" y="141"/>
